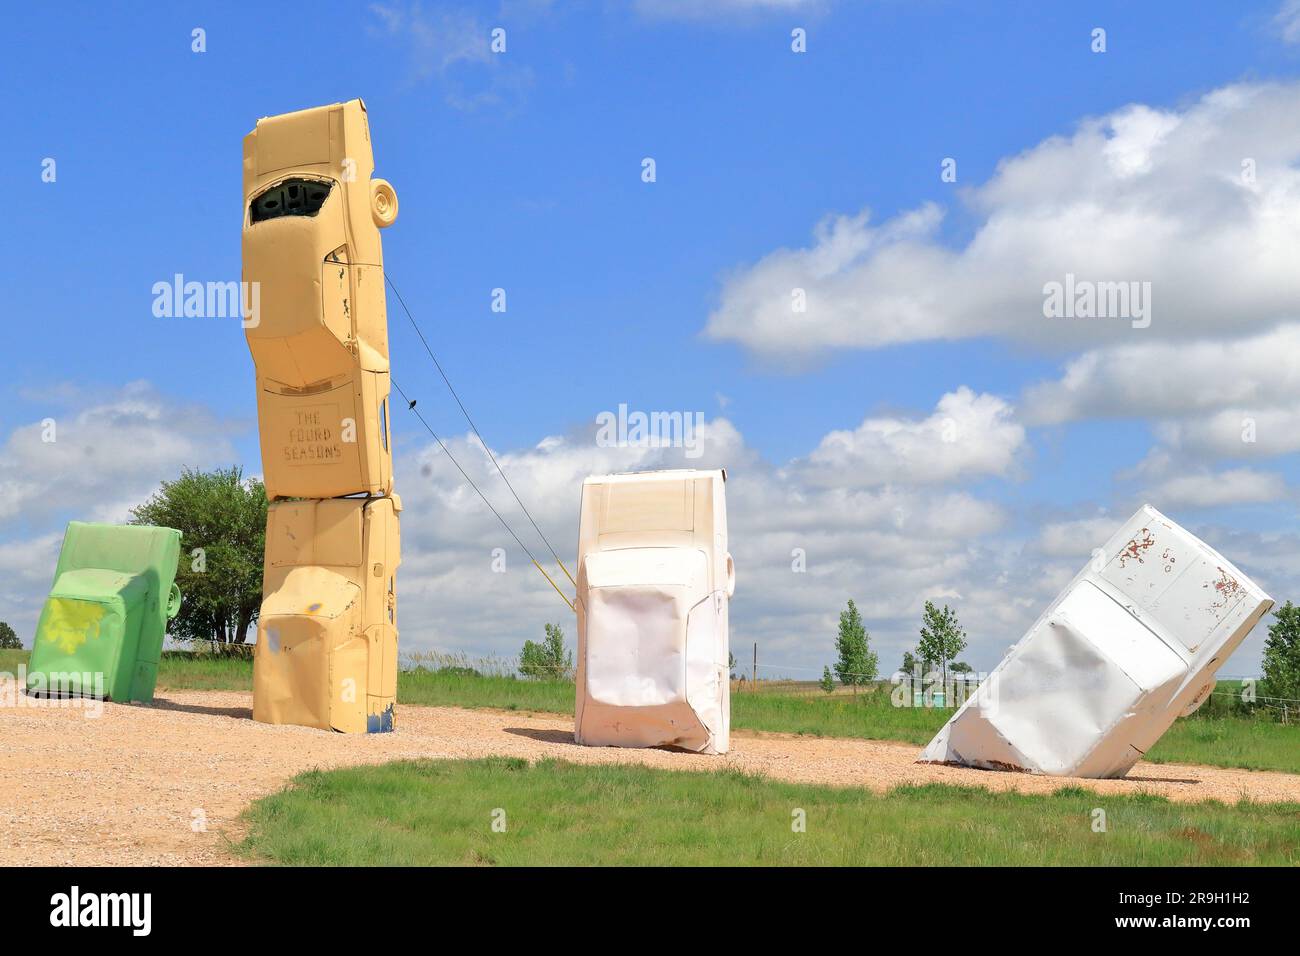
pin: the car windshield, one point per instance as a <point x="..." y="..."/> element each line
<point x="293" y="197"/>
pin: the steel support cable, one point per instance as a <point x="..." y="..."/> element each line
<point x="411" y="407"/>
<point x="486" y="447"/>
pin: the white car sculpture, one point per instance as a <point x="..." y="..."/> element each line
<point x="654" y="584"/>
<point x="1133" y="643"/>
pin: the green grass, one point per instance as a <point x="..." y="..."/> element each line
<point x="455" y="689"/>
<point x="1220" y="739"/>
<point x="1230" y="742"/>
<point x="178" y="670"/>
<point x="184" y="671"/>
<point x="1219" y="735"/>
<point x="419" y="813"/>
<point x="871" y="715"/>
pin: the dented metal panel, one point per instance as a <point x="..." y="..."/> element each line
<point x="327" y="636"/>
<point x="101" y="630"/>
<point x="654" y="585"/>
<point x="319" y="338"/>
<point x="1130" y="645"/>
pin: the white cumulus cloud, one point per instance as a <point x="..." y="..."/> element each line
<point x="968" y="435"/>
<point x="1202" y="202"/>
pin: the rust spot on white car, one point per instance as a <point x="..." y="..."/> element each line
<point x="1226" y="589"/>
<point x="1137" y="546"/>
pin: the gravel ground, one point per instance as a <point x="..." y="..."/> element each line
<point x="163" y="784"/>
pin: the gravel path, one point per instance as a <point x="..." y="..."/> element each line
<point x="163" y="784"/>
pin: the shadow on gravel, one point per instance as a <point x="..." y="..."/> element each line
<point x="545" y="736"/>
<point x="238" y="713"/>
<point x="566" y="737"/>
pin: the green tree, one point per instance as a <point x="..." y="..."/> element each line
<point x="942" y="638"/>
<point x="8" y="639"/>
<point x="961" y="667"/>
<point x="827" y="683"/>
<point x="548" y="659"/>
<point x="1281" y="661"/>
<point x="222" y="520"/>
<point x="731" y="664"/>
<point x="857" y="662"/>
<point x="909" y="663"/>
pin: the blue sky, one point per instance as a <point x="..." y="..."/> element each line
<point x="523" y="171"/>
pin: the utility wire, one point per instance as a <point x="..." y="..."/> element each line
<point x="411" y="406"/>
<point x="486" y="447"/>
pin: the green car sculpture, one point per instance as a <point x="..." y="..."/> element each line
<point x="101" y="631"/>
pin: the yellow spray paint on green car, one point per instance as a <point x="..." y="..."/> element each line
<point x="69" y="623"/>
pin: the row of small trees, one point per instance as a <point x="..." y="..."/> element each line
<point x="942" y="639"/>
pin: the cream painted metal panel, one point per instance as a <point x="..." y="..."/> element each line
<point x="327" y="636"/>
<point x="654" y="585"/>
<point x="319" y="339"/>
<point x="1130" y="645"/>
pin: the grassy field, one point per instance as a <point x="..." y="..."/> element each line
<point x="1216" y="736"/>
<point x="1219" y="739"/>
<point x="181" y="671"/>
<point x="420" y="813"/>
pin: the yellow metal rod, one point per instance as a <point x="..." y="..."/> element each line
<point x="566" y="572"/>
<point x="556" y="586"/>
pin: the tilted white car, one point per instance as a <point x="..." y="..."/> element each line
<point x="1132" y="644"/>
